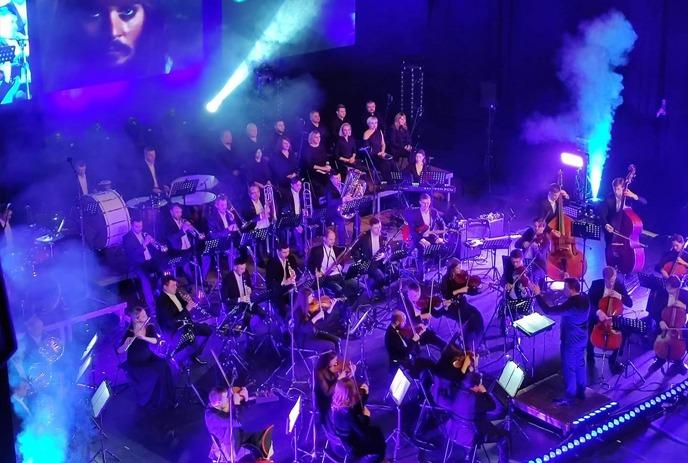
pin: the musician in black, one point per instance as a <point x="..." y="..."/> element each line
<point x="608" y="286"/>
<point x="174" y="319"/>
<point x="515" y="286"/>
<point x="280" y="278"/>
<point x="673" y="259"/>
<point x="221" y="222"/>
<point x="454" y="288"/>
<point x="472" y="409"/>
<point x="237" y="288"/>
<point x="345" y="149"/>
<point x="322" y="262"/>
<point x="314" y="124"/>
<point x="316" y="163"/>
<point x="284" y="166"/>
<point x="535" y="242"/>
<point x="292" y="206"/>
<point x="402" y="345"/>
<point x="409" y="300"/>
<point x="548" y="206"/>
<point x="315" y="327"/>
<point x="179" y="235"/>
<point x="574" y="337"/>
<point x="144" y="257"/>
<point x="422" y="223"/>
<point x="612" y="205"/>
<point x="147" y="178"/>
<point x="257" y="170"/>
<point x="414" y="171"/>
<point x="671" y="295"/>
<point x="228" y="163"/>
<point x="374" y="141"/>
<point x="400" y="140"/>
<point x="249" y="143"/>
<point x="370" y="249"/>
<point x="337" y="122"/>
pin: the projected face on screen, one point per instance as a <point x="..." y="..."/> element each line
<point x="93" y="41"/>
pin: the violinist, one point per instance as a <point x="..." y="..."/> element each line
<point x="420" y="309"/>
<point x="670" y="344"/>
<point x="608" y="286"/>
<point x="371" y="248"/>
<point x="516" y="278"/>
<point x="612" y="205"/>
<point x="150" y="375"/>
<point x="472" y="409"/>
<point x="425" y="223"/>
<point x="455" y="285"/>
<point x="574" y="338"/>
<point x="402" y="346"/>
<point x="323" y="263"/>
<point x="535" y="242"/>
<point x="674" y="261"/>
<point x="313" y="320"/>
<point x="330" y="369"/>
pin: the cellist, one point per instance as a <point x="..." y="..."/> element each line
<point x="672" y="261"/>
<point x="608" y="286"/>
<point x="672" y="325"/>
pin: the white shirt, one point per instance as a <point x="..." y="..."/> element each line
<point x="374" y="243"/>
<point x="426" y="217"/>
<point x="146" y="254"/>
<point x="83" y="183"/>
<point x="618" y="204"/>
<point x="329" y="258"/>
<point x="151" y="167"/>
<point x="297" y="202"/>
<point x="262" y="222"/>
<point x="607" y="291"/>
<point x="240" y="283"/>
<point x="186" y="244"/>
<point x="176" y="301"/>
<point x="552" y="204"/>
<point x="223" y="217"/>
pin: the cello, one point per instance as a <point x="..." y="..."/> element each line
<point x="604" y="336"/>
<point x="671" y="342"/>
<point x="625" y="251"/>
<point x="564" y="259"/>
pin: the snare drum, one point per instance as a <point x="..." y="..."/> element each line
<point x="106" y="219"/>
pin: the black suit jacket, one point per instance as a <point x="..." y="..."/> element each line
<point x="216" y="227"/>
<point x="607" y="212"/>
<point x="274" y="273"/>
<point x="315" y="258"/>
<point x="364" y="247"/>
<point x="399" y="349"/>
<point x="169" y="317"/>
<point x="140" y="179"/>
<point x="230" y="287"/>
<point x="415" y="221"/>
<point x="545" y="210"/>
<point x="134" y="250"/>
<point x="596" y="293"/>
<point x="172" y="233"/>
<point x="288" y="204"/>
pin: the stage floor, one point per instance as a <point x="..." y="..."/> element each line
<point x="133" y="436"/>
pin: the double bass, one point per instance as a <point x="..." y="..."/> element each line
<point x="564" y="259"/>
<point x="604" y="336"/>
<point x="626" y="252"/>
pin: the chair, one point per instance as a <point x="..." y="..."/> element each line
<point x="459" y="432"/>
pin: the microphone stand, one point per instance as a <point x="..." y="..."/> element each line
<point x="80" y="208"/>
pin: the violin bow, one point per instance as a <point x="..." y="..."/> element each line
<point x="231" y="411"/>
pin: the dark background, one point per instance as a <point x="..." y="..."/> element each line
<point x="462" y="45"/>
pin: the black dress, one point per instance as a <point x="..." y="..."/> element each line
<point x="282" y="166"/>
<point x="150" y="374"/>
<point x="358" y="435"/>
<point x="344" y="149"/>
<point x="374" y="142"/>
<point x="257" y="171"/>
<point x="312" y="156"/>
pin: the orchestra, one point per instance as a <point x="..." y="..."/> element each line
<point x="298" y="212"/>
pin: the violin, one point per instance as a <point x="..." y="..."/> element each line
<point x="466" y="361"/>
<point x="464" y="279"/>
<point x="323" y="302"/>
<point x="604" y="336"/>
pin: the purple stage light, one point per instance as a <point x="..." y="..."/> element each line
<point x="573" y="160"/>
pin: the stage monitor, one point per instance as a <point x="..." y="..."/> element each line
<point x="15" y="67"/>
<point x="86" y="42"/>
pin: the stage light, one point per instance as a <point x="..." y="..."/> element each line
<point x="292" y="17"/>
<point x="573" y="160"/>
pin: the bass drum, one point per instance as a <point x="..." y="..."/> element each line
<point x="106" y="219"/>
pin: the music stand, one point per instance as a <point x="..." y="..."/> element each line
<point x="433" y="178"/>
<point x="510" y="380"/>
<point x="531" y="325"/>
<point x="183" y="188"/>
<point x="588" y="231"/>
<point x="7" y="54"/>
<point x="98" y="401"/>
<point x="252" y="237"/>
<point x="493" y="245"/>
<point x="650" y="281"/>
<point x="398" y="388"/>
<point x="294" y="415"/>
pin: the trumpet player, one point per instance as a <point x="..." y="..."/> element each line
<point x="143" y="257"/>
<point x="179" y="233"/>
<point x="237" y="289"/>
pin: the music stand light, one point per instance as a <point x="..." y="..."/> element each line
<point x="89" y="346"/>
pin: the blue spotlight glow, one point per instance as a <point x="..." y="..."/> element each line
<point x="292" y="17"/>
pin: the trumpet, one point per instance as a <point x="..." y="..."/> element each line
<point x="189" y="300"/>
<point x="194" y="231"/>
<point x="269" y="193"/>
<point x="156" y="244"/>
